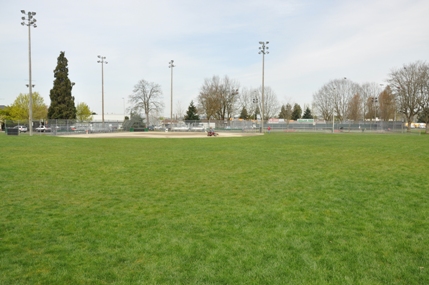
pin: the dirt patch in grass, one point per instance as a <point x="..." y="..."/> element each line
<point x="160" y="135"/>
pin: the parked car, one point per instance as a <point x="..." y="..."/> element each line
<point x="43" y="129"/>
<point x="198" y="128"/>
<point x="22" y="129"/>
<point x="159" y="128"/>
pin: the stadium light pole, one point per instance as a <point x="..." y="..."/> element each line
<point x="263" y="49"/>
<point x="31" y="22"/>
<point x="102" y="61"/>
<point x="171" y="65"/>
<point x="333" y="112"/>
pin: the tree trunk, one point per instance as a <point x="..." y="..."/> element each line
<point x="147" y="120"/>
<point x="408" y="125"/>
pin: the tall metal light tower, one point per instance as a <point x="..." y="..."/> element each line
<point x="263" y="49"/>
<point x="102" y="61"/>
<point x="31" y="22"/>
<point x="171" y="65"/>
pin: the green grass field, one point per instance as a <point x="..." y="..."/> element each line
<point x="273" y="209"/>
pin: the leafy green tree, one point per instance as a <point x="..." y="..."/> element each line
<point x="296" y="113"/>
<point x="4" y="115"/>
<point x="62" y="102"/>
<point x="192" y="114"/>
<point x="307" y="114"/>
<point x="244" y="115"/>
<point x="83" y="113"/>
<point x="19" y="109"/>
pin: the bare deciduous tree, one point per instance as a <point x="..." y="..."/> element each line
<point x="146" y="97"/>
<point x="208" y="102"/>
<point x="407" y="84"/>
<point x="387" y="106"/>
<point x="217" y="98"/>
<point x="424" y="113"/>
<point x="369" y="91"/>
<point x="333" y="99"/>
<point x="246" y="100"/>
<point x="180" y="111"/>
<point x="344" y="91"/>
<point x="323" y="100"/>
<point x="355" y="108"/>
<point x="271" y="103"/>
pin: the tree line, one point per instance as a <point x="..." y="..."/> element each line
<point x="405" y="95"/>
<point x="219" y="98"/>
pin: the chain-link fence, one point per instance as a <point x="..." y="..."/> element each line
<point x="64" y="127"/>
<point x="364" y="126"/>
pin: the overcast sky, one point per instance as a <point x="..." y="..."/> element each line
<point x="311" y="43"/>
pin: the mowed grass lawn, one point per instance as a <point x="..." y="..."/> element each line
<point x="273" y="209"/>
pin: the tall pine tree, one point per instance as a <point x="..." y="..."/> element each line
<point x="243" y="114"/>
<point x="307" y="114"/>
<point x="296" y="113"/>
<point x="62" y="102"/>
<point x="282" y="114"/>
<point x="192" y="114"/>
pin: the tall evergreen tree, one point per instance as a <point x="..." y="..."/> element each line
<point x="307" y="114"/>
<point x="244" y="114"/>
<point x="282" y="114"/>
<point x="296" y="113"/>
<point x="192" y="114"/>
<point x="257" y="112"/>
<point x="62" y="102"/>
